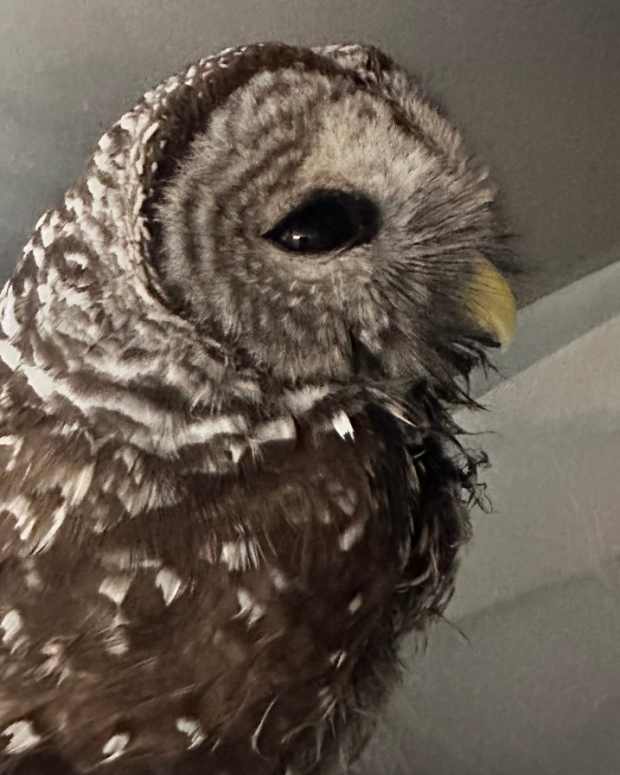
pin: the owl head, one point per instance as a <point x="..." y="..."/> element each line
<point x="326" y="221"/>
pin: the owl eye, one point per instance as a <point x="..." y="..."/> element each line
<point x="328" y="221"/>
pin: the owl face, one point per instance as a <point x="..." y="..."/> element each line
<point x="328" y="228"/>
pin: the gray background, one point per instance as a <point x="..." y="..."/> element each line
<point x="534" y="84"/>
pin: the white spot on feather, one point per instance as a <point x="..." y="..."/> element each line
<point x="55" y="664"/>
<point x="116" y="642"/>
<point x="240" y="555"/>
<point x="77" y="258"/>
<point x="337" y="658"/>
<point x="10" y="355"/>
<point x="191" y="727"/>
<point x="115" y="588"/>
<point x="44" y="293"/>
<point x="300" y="401"/>
<point x="75" y="298"/>
<point x="349" y="537"/>
<point x="75" y="203"/>
<point x="355" y="604"/>
<point x="211" y="427"/>
<point x="23" y="737"/>
<point x="327" y="701"/>
<point x="75" y="488"/>
<point x="236" y="450"/>
<point x="48" y="234"/>
<point x="281" y="429"/>
<point x="96" y="187"/>
<point x="278" y="578"/>
<point x="20" y="508"/>
<point x="115" y="746"/>
<point x="47" y="539"/>
<point x="33" y="580"/>
<point x="128" y="122"/>
<point x="12" y="624"/>
<point x="42" y="384"/>
<point x="10" y="324"/>
<point x="249" y="607"/>
<point x="169" y="583"/>
<point x="105" y="142"/>
<point x="38" y="254"/>
<point x="103" y="162"/>
<point x="343" y="426"/>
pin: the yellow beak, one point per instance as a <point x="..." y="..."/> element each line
<point x="491" y="302"/>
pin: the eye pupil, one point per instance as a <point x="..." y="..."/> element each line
<point x="328" y="221"/>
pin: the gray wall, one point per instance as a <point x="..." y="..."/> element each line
<point x="534" y="83"/>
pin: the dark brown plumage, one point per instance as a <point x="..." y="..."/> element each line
<point x="231" y="481"/>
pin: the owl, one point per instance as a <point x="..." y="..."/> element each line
<point x="231" y="481"/>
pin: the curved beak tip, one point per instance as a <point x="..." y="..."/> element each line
<point x="492" y="304"/>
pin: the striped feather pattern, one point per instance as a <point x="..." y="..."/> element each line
<point x="230" y="481"/>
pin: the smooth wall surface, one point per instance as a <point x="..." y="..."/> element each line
<point x="534" y="84"/>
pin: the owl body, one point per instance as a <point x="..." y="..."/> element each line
<point x="235" y="623"/>
<point x="231" y="481"/>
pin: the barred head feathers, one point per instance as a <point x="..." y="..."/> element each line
<point x="230" y="478"/>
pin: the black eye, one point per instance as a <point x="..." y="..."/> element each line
<point x="328" y="221"/>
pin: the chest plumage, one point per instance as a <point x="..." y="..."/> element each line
<point x="230" y="480"/>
